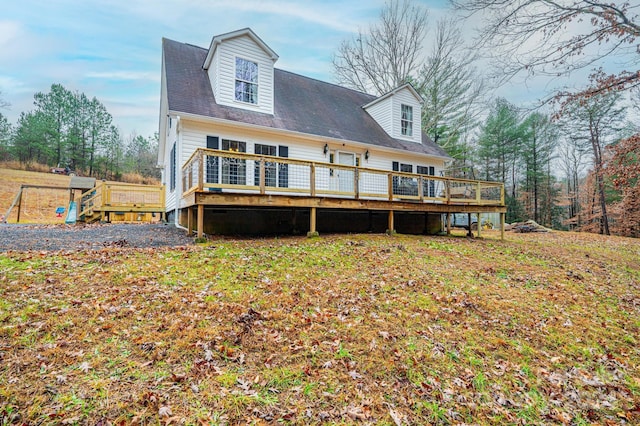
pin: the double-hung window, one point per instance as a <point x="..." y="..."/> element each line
<point x="429" y="185"/>
<point x="406" y="120"/>
<point x="269" y="166"/>
<point x="246" y="81"/>
<point x="234" y="170"/>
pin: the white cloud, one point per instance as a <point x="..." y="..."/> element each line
<point x="9" y="32"/>
<point x="17" y="44"/>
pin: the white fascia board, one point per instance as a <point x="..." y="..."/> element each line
<point x="233" y="34"/>
<point x="408" y="86"/>
<point x="306" y="136"/>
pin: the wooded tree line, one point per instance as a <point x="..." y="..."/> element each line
<point x="69" y="129"/>
<point x="570" y="163"/>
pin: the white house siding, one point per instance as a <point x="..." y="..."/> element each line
<point x="405" y="97"/>
<point x="213" y="74"/>
<point x="194" y="135"/>
<point x="382" y="113"/>
<point x="243" y="47"/>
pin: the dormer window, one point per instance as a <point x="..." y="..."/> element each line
<point x="246" y="81"/>
<point x="406" y="120"/>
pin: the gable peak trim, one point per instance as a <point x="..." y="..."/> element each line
<point x="217" y="40"/>
<point x="408" y="86"/>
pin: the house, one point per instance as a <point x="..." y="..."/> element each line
<point x="247" y="147"/>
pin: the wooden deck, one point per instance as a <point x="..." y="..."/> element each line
<point x="110" y="198"/>
<point x="222" y="178"/>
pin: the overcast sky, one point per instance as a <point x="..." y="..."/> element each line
<point x="110" y="49"/>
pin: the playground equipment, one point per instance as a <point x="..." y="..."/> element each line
<point x="72" y="213"/>
<point x="104" y="201"/>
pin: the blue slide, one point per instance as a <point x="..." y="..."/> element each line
<point x="71" y="213"/>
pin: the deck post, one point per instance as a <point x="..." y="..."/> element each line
<point x="312" y="223"/>
<point x="448" y="223"/>
<point x="447" y="189"/>
<point x="470" y="232"/>
<point x="201" y="158"/>
<point x="356" y="183"/>
<point x="312" y="181"/>
<point x="189" y="221"/>
<point x="200" y="220"/>
<point x="479" y="225"/>
<point x="262" y="182"/>
<point x="390" y="187"/>
<point x="502" y="215"/>
<point x="391" y="226"/>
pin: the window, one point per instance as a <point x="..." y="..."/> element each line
<point x="408" y="186"/>
<point x="234" y="170"/>
<point x="172" y="167"/>
<point x="246" y="81"/>
<point x="406" y="120"/>
<point x="269" y="166"/>
<point x="283" y="172"/>
<point x="213" y="142"/>
<point x="429" y="185"/>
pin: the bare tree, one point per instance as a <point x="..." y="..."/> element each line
<point x="573" y="160"/>
<point x="388" y="54"/>
<point x="451" y="86"/>
<point x="597" y="122"/>
<point x="556" y="37"/>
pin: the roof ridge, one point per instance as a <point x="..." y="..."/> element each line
<point x="287" y="71"/>
<point x="326" y="82"/>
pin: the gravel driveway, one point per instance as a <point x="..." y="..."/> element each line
<point x="90" y="237"/>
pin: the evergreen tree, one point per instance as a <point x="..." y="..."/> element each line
<point x="537" y="150"/>
<point x="499" y="152"/>
<point x="6" y="135"/>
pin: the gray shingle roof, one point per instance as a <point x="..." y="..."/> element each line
<point x="302" y="104"/>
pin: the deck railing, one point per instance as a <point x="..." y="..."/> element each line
<point x="122" y="197"/>
<point x="216" y="170"/>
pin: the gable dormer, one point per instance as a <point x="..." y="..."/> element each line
<point x="399" y="113"/>
<point x="240" y="68"/>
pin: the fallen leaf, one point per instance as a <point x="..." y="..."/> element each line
<point x="397" y="417"/>
<point x="164" y="411"/>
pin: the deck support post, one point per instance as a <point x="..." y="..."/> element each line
<point x="391" y="227"/>
<point x="262" y="182"/>
<point x="448" y="224"/>
<point x="312" y="223"/>
<point x="479" y="224"/>
<point x="312" y="180"/>
<point x="189" y="221"/>
<point x="200" y="220"/>
<point x="502" y="217"/>
<point x="469" y="232"/>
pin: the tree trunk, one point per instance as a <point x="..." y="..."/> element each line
<point x="597" y="154"/>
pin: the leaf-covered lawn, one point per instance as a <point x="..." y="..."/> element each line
<point x="355" y="329"/>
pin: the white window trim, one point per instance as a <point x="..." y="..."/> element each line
<point x="235" y="78"/>
<point x="409" y="127"/>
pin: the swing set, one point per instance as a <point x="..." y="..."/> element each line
<point x="81" y="184"/>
